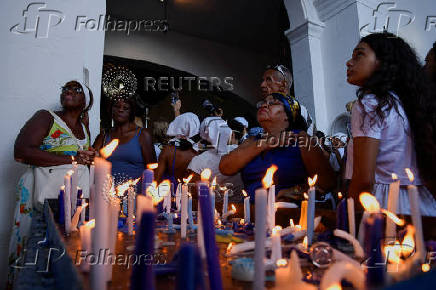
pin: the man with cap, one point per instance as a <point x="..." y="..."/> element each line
<point x="278" y="79"/>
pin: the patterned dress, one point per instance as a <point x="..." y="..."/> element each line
<point x="60" y="140"/>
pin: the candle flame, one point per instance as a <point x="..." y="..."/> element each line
<point x="214" y="181"/>
<point x="393" y="217"/>
<point x="72" y="158"/>
<point x="393" y="253"/>
<point x="369" y="202"/>
<point x="187" y="180"/>
<point x="305" y="242"/>
<point x="291" y="223"/>
<point x="305" y="195"/>
<point x="233" y="208"/>
<point x="84" y="205"/>
<point x="339" y="195"/>
<point x="425" y="267"/>
<point x="241" y="221"/>
<point x="70" y="172"/>
<point x="152" y="191"/>
<point x="134" y="182"/>
<point x="229" y="247"/>
<point x="267" y="181"/>
<point x="107" y="150"/>
<point x="312" y="181"/>
<point x="152" y="165"/>
<point x="244" y="193"/>
<point x="335" y="286"/>
<point x="410" y="174"/>
<point x="175" y="215"/>
<point x="120" y="189"/>
<point x="63" y="187"/>
<point x="219" y="223"/>
<point x="276" y="230"/>
<point x="298" y="227"/>
<point x="281" y="263"/>
<point x="90" y="224"/>
<point x="205" y="174"/>
<point x="408" y="244"/>
<point x="394" y="176"/>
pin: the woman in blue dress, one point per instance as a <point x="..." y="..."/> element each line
<point x="284" y="144"/>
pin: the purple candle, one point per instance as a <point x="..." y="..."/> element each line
<point x="188" y="268"/>
<point x="207" y="219"/>
<point x="61" y="209"/>
<point x="375" y="264"/>
<point x="342" y="216"/>
<point x="142" y="273"/>
<point x="148" y="176"/>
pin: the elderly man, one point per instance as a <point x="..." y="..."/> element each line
<point x="278" y="79"/>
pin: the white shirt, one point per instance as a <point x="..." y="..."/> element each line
<point x="396" y="148"/>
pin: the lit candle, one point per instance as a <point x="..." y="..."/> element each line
<point x="130" y="210"/>
<point x="416" y="217"/>
<point x="394" y="189"/>
<point x="61" y="205"/>
<point x="85" y="238"/>
<point x="76" y="217"/>
<point x="81" y="201"/>
<point x="225" y="201"/>
<point x="205" y="175"/>
<point x="246" y="207"/>
<point x="184" y="213"/>
<point x="167" y="202"/>
<point x="148" y="176"/>
<point x="214" y="270"/>
<point x="178" y="196"/>
<point x="230" y="212"/>
<point x="260" y="232"/>
<point x="190" y="217"/>
<point x="276" y="246"/>
<point x="311" y="209"/>
<point x="351" y="216"/>
<point x="67" y="202"/>
<point x="303" y="215"/>
<point x="271" y="215"/>
<point x="100" y="240"/>
<point x="74" y="183"/>
<point x="212" y="197"/>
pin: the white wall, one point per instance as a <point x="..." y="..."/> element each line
<point x="33" y="71"/>
<point x="194" y="55"/>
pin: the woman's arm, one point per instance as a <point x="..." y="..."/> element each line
<point x="98" y="143"/>
<point x="315" y="162"/>
<point x="365" y="150"/>
<point x="237" y="159"/>
<point x="147" y="147"/>
<point x="27" y="145"/>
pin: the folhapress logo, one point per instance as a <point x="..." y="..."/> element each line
<point x="388" y="17"/>
<point x="38" y="20"/>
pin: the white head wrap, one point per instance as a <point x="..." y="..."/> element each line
<point x="86" y="92"/>
<point x="186" y="125"/>
<point x="216" y="131"/>
<point x="242" y="121"/>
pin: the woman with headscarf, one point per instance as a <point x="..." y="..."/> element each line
<point x="279" y="114"/>
<point x="135" y="149"/>
<point x="217" y="134"/>
<point x="49" y="139"/>
<point x="176" y="156"/>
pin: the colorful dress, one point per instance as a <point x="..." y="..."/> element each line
<point x="60" y="140"/>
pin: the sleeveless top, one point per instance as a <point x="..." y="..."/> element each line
<point x="291" y="170"/>
<point x="61" y="140"/>
<point x="127" y="160"/>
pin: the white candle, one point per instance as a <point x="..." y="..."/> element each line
<point x="85" y="238"/>
<point x="100" y="240"/>
<point x="271" y="212"/>
<point x="67" y="202"/>
<point x="311" y="210"/>
<point x="130" y="210"/>
<point x="260" y="232"/>
<point x="351" y="216"/>
<point x="74" y="188"/>
<point x="115" y="212"/>
<point x="416" y="218"/>
<point x="230" y="212"/>
<point x="276" y="246"/>
<point x="246" y="207"/>
<point x="190" y="217"/>
<point x="178" y="196"/>
<point x="167" y="201"/>
<point x="225" y="201"/>
<point x="184" y="213"/>
<point x="76" y="217"/>
<point x="394" y="190"/>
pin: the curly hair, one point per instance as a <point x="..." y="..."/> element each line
<point x="400" y="72"/>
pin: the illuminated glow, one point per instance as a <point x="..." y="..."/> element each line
<point x="205" y="174"/>
<point x="152" y="165"/>
<point x="90" y="224"/>
<point x="334" y="287"/>
<point x="233" y="208"/>
<point x="107" y="150"/>
<point x="267" y="181"/>
<point x="339" y="195"/>
<point x="152" y="191"/>
<point x="281" y="263"/>
<point x="229" y="247"/>
<point x="214" y="182"/>
<point x="219" y="223"/>
<point x="241" y="221"/>
<point x="187" y="180"/>
<point x="369" y="202"/>
<point x="291" y="223"/>
<point x="393" y="217"/>
<point x="305" y="195"/>
<point x="244" y="193"/>
<point x="276" y="230"/>
<point x="305" y="242"/>
<point x="394" y="176"/>
<point x="408" y="244"/>
<point x="393" y="253"/>
<point x="410" y="174"/>
<point x="425" y="267"/>
<point x="312" y="181"/>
